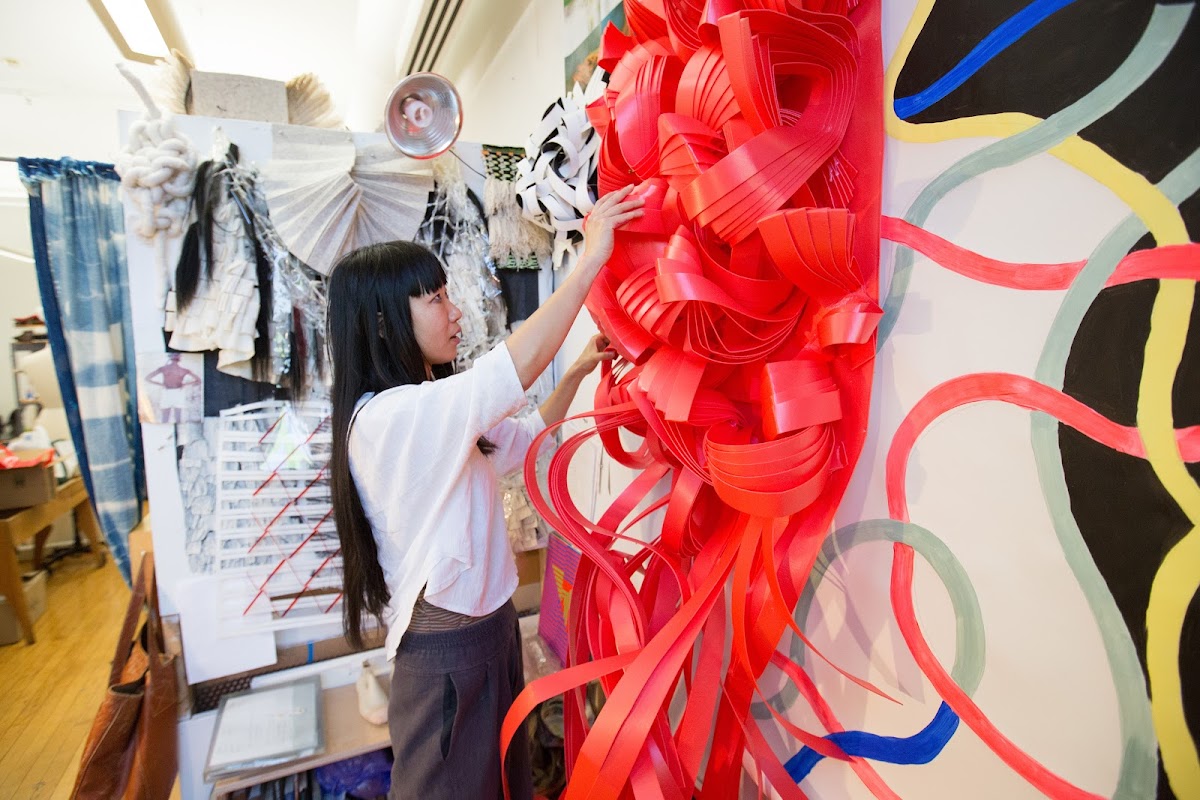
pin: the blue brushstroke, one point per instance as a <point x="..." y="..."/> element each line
<point x="992" y="45"/>
<point x="921" y="748"/>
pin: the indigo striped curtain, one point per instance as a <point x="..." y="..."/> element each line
<point x="78" y="232"/>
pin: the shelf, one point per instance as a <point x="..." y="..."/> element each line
<point x="347" y="734"/>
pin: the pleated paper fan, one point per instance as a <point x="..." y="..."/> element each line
<point x="328" y="197"/>
<point x="393" y="188"/>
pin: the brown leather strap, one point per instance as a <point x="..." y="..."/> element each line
<point x="133" y="612"/>
<point x="154" y="645"/>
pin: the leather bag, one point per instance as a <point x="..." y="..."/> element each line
<point x="131" y="750"/>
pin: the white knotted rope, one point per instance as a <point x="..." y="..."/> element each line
<point x="157" y="169"/>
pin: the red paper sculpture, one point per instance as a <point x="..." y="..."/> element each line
<point x="743" y="307"/>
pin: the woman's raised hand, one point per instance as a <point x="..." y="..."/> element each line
<point x="535" y="342"/>
<point x="610" y="212"/>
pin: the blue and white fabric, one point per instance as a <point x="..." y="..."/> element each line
<point x="78" y="228"/>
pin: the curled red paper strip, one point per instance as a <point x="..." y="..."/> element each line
<point x="742" y="307"/>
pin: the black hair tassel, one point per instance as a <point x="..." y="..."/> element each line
<point x="197" y="243"/>
<point x="297" y="366"/>
<point x="187" y="272"/>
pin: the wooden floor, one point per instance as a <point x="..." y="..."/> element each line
<point x="51" y="689"/>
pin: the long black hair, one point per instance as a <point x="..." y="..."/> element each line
<point x="372" y="348"/>
<point x="215" y="185"/>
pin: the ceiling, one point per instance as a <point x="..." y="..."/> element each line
<point x="60" y="47"/>
<point x="54" y="47"/>
<point x="56" y="55"/>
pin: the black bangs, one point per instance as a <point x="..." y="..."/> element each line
<point x="427" y="274"/>
<point x="402" y="269"/>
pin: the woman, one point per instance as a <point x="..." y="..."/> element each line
<point x="416" y="453"/>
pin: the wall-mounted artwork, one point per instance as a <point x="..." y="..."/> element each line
<point x="1004" y="602"/>
<point x="585" y="20"/>
<point x="1043" y="169"/>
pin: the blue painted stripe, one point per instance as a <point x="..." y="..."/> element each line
<point x="992" y="45"/>
<point x="920" y="748"/>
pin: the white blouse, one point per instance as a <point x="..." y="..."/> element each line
<point x="430" y="495"/>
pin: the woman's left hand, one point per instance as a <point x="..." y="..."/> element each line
<point x="556" y="405"/>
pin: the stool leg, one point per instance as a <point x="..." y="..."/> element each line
<point x="86" y="523"/>
<point x="10" y="584"/>
<point x="39" y="546"/>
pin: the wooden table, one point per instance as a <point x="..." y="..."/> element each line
<point x="21" y="525"/>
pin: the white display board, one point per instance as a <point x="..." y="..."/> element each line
<point x="175" y="573"/>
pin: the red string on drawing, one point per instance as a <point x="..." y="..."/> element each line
<point x="275" y="540"/>
<point x="743" y="306"/>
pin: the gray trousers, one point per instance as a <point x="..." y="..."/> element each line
<point x="450" y="692"/>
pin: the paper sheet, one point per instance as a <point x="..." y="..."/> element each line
<point x="214" y="649"/>
<point x="267" y="725"/>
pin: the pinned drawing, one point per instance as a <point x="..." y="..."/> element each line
<point x="277" y="549"/>
<point x="171" y="388"/>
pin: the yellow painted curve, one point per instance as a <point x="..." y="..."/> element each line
<point x="1178" y="578"/>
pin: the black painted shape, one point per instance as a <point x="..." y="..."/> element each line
<point x="1158" y="125"/>
<point x="1054" y="64"/>
<point x="1126" y="517"/>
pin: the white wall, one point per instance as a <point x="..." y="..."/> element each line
<point x="504" y="97"/>
<point x="20" y="296"/>
<point x="63" y="123"/>
<point x="507" y="84"/>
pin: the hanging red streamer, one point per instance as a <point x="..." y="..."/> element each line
<point x="743" y="308"/>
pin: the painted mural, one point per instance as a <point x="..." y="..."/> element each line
<point x="1035" y="432"/>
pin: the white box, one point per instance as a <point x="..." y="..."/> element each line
<point x="35" y="598"/>
<point x="217" y="94"/>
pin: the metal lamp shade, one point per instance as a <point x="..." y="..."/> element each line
<point x="423" y="115"/>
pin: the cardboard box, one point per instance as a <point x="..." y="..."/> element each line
<point x="22" y="487"/>
<point x="217" y="94"/>
<point x="530" y="566"/>
<point x="35" y="597"/>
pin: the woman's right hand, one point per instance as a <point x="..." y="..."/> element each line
<point x="610" y="212"/>
<point x="595" y="351"/>
<point x="535" y="342"/>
